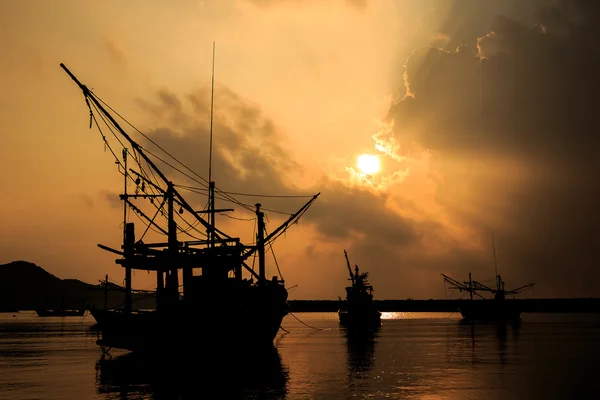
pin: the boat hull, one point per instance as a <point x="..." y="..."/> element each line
<point x="489" y="310"/>
<point x="250" y="322"/>
<point x="153" y="332"/>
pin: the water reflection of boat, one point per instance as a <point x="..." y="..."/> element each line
<point x="488" y="338"/>
<point x="131" y="375"/>
<point x="361" y="350"/>
<point x="485" y="328"/>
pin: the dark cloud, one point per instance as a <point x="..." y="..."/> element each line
<point x="250" y="156"/>
<point x="514" y="146"/>
<point x="513" y="129"/>
<point x="111" y="198"/>
<point x="463" y="21"/>
<point x="247" y="154"/>
<point x="355" y="213"/>
<point x="115" y="52"/>
<point x="86" y="200"/>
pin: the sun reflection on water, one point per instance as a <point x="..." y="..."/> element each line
<point x="388" y="315"/>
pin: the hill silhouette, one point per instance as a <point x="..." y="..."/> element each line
<point x="26" y="286"/>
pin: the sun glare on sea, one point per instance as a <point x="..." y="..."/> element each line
<point x="368" y="164"/>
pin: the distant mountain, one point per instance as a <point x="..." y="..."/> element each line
<point x="26" y="286"/>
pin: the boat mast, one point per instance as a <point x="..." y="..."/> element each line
<point x="495" y="264"/>
<point x="128" y="238"/>
<point x="349" y="268"/>
<point x="106" y="292"/>
<point x="281" y="227"/>
<point x="125" y="175"/>
<point x="260" y="243"/>
<point x="172" y="275"/>
<point x="470" y="286"/>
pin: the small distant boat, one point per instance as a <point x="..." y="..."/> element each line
<point x="59" y="312"/>
<point x="359" y="309"/>
<point x="62" y="309"/>
<point x="496" y="309"/>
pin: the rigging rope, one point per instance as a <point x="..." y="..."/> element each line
<point x="303" y="323"/>
<point x="273" y="252"/>
<point x="147" y="138"/>
<point x="247" y="207"/>
<point x="252" y="194"/>
<point x="226" y="194"/>
<point x="105" y="141"/>
<point x="167" y="153"/>
<point x="150" y="176"/>
<point x="239" y="219"/>
<point x="448" y="317"/>
<point x="148" y="226"/>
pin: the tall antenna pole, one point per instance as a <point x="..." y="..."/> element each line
<point x="212" y="97"/>
<point x="211" y="184"/>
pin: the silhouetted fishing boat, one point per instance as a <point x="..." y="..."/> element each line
<point x="358" y="310"/>
<point x="496" y="309"/>
<point x="219" y="308"/>
<point x="63" y="309"/>
<point x="59" y="312"/>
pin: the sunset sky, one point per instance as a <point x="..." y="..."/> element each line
<point x="481" y="117"/>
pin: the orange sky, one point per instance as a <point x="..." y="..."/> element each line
<point x="306" y="87"/>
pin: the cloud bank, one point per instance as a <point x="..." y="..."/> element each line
<point x="513" y="131"/>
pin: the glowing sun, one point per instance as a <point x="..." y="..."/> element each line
<point x="368" y="164"/>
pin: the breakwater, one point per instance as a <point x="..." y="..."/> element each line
<point x="559" y="305"/>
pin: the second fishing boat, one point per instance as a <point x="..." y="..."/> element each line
<point x="358" y="310"/>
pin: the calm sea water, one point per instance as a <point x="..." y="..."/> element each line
<point x="412" y="356"/>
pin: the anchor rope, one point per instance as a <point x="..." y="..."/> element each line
<point x="304" y="323"/>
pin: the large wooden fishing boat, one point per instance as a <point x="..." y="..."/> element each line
<point x="222" y="302"/>
<point x="358" y="310"/>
